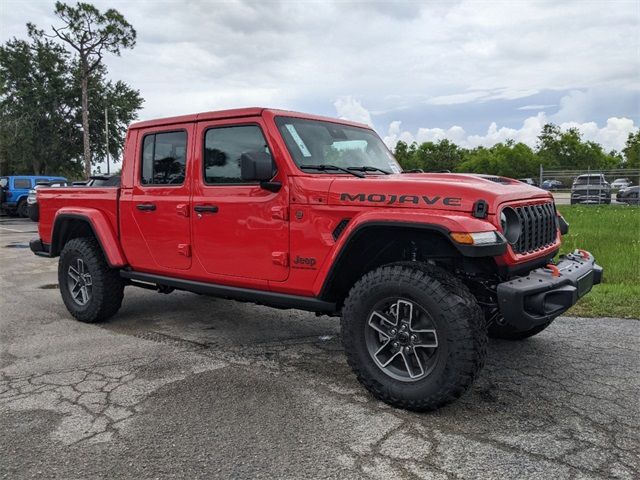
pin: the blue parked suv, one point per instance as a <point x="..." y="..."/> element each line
<point x="15" y="189"/>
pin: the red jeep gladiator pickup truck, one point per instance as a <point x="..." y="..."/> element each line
<point x="299" y="211"/>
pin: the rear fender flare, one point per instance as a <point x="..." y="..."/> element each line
<point x="99" y="225"/>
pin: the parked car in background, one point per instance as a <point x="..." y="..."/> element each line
<point x="552" y="184"/>
<point x="590" y="188"/>
<point x="629" y="195"/>
<point x="620" y="183"/>
<point x="32" y="200"/>
<point x="14" y="191"/>
<point x="529" y="181"/>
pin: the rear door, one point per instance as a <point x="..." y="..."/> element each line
<point x="156" y="208"/>
<point x="239" y="228"/>
<point x="22" y="185"/>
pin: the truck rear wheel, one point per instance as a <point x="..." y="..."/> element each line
<point x="414" y="335"/>
<point x="506" y="332"/>
<point x="91" y="290"/>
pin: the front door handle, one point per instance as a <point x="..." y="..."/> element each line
<point x="146" y="207"/>
<point x="206" y="208"/>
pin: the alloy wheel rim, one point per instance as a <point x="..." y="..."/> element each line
<point x="79" y="282"/>
<point x="402" y="339"/>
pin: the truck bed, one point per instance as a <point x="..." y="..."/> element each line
<point x="75" y="199"/>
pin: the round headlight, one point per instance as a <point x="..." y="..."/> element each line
<point x="510" y="223"/>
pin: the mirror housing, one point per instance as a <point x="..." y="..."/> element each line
<point x="256" y="167"/>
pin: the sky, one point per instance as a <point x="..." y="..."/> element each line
<point x="476" y="72"/>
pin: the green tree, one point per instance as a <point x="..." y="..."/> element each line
<point x="122" y="104"/>
<point x="41" y="109"/>
<point x="429" y="156"/>
<point x="566" y="149"/>
<point x="91" y="34"/>
<point x="509" y="159"/>
<point x="37" y="124"/>
<point x="631" y="150"/>
<point x="401" y="152"/>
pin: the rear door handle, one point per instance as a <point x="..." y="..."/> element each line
<point x="206" y="208"/>
<point x="146" y="206"/>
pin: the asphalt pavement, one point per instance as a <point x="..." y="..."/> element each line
<point x="187" y="386"/>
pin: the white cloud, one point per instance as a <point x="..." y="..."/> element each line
<point x="457" y="98"/>
<point x="612" y="136"/>
<point x="391" y="56"/>
<point x="349" y="108"/>
<point x="537" y="107"/>
<point x="308" y="53"/>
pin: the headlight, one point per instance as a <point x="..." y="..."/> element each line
<point x="510" y="223"/>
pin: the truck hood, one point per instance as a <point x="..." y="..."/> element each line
<point x="440" y="191"/>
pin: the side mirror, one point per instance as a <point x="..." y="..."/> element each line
<point x="256" y="166"/>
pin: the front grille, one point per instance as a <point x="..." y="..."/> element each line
<point x="539" y="228"/>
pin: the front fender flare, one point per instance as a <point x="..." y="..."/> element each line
<point x="100" y="226"/>
<point x="435" y="221"/>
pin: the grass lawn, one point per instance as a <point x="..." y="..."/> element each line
<point x="612" y="234"/>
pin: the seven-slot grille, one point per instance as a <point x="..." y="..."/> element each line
<point x="538" y="227"/>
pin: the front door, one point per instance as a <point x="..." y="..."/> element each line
<point x="239" y="228"/>
<point x="158" y="203"/>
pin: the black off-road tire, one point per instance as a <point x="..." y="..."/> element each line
<point x="34" y="212"/>
<point x="22" y="209"/>
<point x="107" y="287"/>
<point x="458" y="320"/>
<point x="506" y="332"/>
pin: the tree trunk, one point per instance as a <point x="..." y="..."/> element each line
<point x="85" y="124"/>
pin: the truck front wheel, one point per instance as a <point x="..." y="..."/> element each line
<point x="91" y="290"/>
<point x="414" y="335"/>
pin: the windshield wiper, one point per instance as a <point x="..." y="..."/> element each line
<point x="323" y="168"/>
<point x="368" y="168"/>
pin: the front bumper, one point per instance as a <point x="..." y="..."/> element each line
<point x="592" y="196"/>
<point x="545" y="293"/>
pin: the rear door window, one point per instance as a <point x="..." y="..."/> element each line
<point x="164" y="158"/>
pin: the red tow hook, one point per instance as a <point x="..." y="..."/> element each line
<point x="584" y="254"/>
<point x="555" y="272"/>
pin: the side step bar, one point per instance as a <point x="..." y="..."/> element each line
<point x="261" y="297"/>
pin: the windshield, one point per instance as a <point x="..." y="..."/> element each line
<point x="589" y="180"/>
<point x="315" y="142"/>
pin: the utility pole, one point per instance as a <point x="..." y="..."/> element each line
<point x="106" y="137"/>
<point x="541" y="175"/>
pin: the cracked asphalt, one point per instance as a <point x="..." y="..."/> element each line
<point x="186" y="386"/>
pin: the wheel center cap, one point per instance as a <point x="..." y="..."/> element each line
<point x="403" y="338"/>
